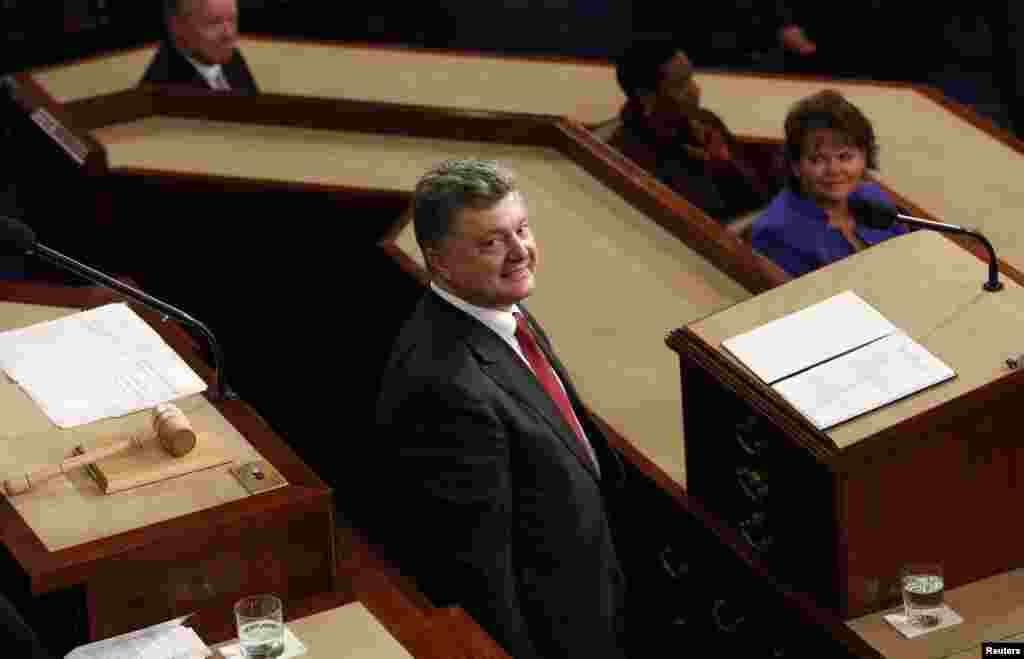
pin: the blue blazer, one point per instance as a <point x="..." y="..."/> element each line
<point x="794" y="232"/>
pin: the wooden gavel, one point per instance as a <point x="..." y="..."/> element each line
<point x="170" y="427"/>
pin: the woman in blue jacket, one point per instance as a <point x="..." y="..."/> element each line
<point x="830" y="147"/>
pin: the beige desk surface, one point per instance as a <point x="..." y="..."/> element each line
<point x="346" y="632"/>
<point x="612" y="283"/>
<point x="992" y="609"/>
<point x="939" y="303"/>
<point x="942" y="163"/>
<point x="585" y="91"/>
<point x="70" y="509"/>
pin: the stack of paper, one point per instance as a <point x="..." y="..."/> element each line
<point x="96" y="364"/>
<point x="167" y="640"/>
<point x="837" y="359"/>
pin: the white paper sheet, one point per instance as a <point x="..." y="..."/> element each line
<point x="96" y="364"/>
<point x="867" y="378"/>
<point x="809" y="336"/>
<point x="166" y="640"/>
<point x="178" y="643"/>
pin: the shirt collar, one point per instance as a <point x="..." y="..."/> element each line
<point x="210" y="72"/>
<point x="502" y="322"/>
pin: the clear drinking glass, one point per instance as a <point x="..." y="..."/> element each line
<point x="260" y="620"/>
<point x="923" y="589"/>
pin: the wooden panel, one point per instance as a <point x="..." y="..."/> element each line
<point x="230" y="533"/>
<point x="872" y="492"/>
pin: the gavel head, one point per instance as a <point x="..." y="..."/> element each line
<point x="173" y="430"/>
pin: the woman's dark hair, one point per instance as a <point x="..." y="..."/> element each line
<point x="830" y="110"/>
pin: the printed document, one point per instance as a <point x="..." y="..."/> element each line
<point x="877" y="374"/>
<point x="95" y="364"/>
<point x="166" y="640"/>
<point x="807" y="337"/>
<point x="838" y="359"/>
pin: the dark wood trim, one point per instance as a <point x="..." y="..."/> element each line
<point x="674" y="213"/>
<point x="30" y="97"/>
<point x="687" y="344"/>
<point x="349" y="115"/>
<point x="106" y="109"/>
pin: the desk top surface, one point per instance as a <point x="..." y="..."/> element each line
<point x="940" y="304"/>
<point x="71" y="509"/>
<point x="583" y="90"/>
<point x="100" y="529"/>
<point x="992" y="609"/>
<point x="346" y="632"/>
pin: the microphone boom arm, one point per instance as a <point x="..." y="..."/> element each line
<point x="223" y="391"/>
<point x="993" y="283"/>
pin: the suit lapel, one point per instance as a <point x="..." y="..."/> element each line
<point x="501" y="363"/>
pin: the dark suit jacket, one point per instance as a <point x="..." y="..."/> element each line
<point x="496" y="506"/>
<point x="169" y="66"/>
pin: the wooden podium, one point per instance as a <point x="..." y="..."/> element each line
<point x="931" y="477"/>
<point x="194" y="557"/>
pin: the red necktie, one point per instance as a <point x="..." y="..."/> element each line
<point x="546" y="375"/>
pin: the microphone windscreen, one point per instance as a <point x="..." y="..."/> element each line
<point x="17" y="232"/>
<point x="872" y="213"/>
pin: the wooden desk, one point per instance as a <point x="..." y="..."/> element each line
<point x="351" y="630"/>
<point x="948" y="162"/>
<point x="585" y="91"/>
<point x="835" y="512"/>
<point x="992" y="609"/>
<point x="200" y="560"/>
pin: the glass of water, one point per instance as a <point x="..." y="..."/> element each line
<point x="923" y="588"/>
<point x="260" y="620"/>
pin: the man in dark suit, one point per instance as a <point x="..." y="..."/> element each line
<point x="497" y="478"/>
<point x="201" y="48"/>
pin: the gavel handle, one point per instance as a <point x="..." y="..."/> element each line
<point x="28" y="480"/>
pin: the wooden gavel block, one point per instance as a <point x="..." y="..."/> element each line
<point x="170" y="427"/>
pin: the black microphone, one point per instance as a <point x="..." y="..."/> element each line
<point x="878" y="216"/>
<point x="23" y="237"/>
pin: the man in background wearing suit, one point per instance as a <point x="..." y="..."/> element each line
<point x="201" y="47"/>
<point x="497" y="478"/>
